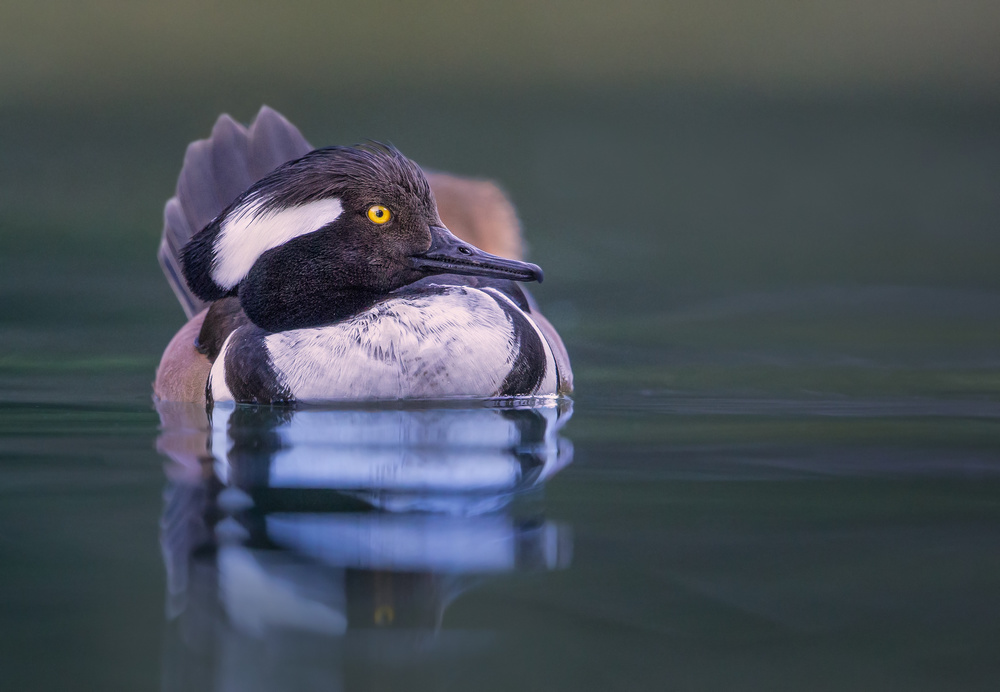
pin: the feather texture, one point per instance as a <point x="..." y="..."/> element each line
<point x="439" y="343"/>
<point x="216" y="171"/>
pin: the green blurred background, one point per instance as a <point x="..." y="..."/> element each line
<point x="770" y="236"/>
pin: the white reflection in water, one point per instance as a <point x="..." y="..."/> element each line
<point x="281" y="524"/>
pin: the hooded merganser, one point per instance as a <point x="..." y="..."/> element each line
<point x="329" y="275"/>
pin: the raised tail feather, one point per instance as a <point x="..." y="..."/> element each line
<point x="216" y="170"/>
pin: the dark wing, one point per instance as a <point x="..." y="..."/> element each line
<point x="216" y="170"/>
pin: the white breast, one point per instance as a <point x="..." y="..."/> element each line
<point x="455" y="342"/>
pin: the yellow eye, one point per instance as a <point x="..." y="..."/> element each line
<point x="378" y="214"/>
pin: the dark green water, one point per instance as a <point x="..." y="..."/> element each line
<point x="784" y="318"/>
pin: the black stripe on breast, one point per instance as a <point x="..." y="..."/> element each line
<point x="250" y="375"/>
<point x="528" y="370"/>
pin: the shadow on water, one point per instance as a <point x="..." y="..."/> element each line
<point x="296" y="541"/>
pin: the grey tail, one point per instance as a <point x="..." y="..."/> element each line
<point x="216" y="170"/>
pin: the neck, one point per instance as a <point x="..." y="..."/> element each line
<point x="297" y="307"/>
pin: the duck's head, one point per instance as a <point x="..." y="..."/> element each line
<point x="330" y="232"/>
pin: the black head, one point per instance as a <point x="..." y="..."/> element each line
<point x="327" y="234"/>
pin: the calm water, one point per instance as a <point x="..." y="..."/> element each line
<point x="781" y="468"/>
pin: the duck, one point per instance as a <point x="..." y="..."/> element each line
<point x="330" y="275"/>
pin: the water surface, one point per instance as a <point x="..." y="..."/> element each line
<point x="782" y="468"/>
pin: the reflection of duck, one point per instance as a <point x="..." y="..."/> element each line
<point x="424" y="454"/>
<point x="332" y="277"/>
<point x="282" y="525"/>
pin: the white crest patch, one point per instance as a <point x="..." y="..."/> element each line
<point x="456" y="343"/>
<point x="247" y="233"/>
